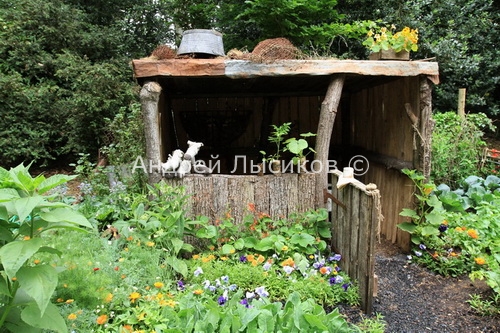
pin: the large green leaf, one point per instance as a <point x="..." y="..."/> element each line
<point x="177" y="264"/>
<point x="39" y="282"/>
<point x="435" y="217"/>
<point x="407" y="226"/>
<point x="52" y="182"/>
<point x="51" y="319"/>
<point x="65" y="214"/>
<point x="4" y="287"/>
<point x="13" y="255"/>
<point x="430" y="230"/>
<point x="315" y="322"/>
<point x="7" y="194"/>
<point x="228" y="249"/>
<point x="208" y="232"/>
<point x="409" y="213"/>
<point x="303" y="240"/>
<point x="176" y="245"/>
<point x="23" y="207"/>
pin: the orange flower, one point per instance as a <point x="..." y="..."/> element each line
<point x="72" y="316"/>
<point x="108" y="298"/>
<point x="288" y="262"/>
<point x="69" y="301"/>
<point x="250" y="257"/>
<point x="158" y="284"/>
<point x="36" y="261"/>
<point x="196" y="256"/>
<point x="323" y="270"/>
<point x="472" y="233"/>
<point x="126" y="329"/>
<point x="251" y="207"/>
<point x="262" y="215"/>
<point x="198" y="292"/>
<point x="445" y="222"/>
<point x="134" y="296"/>
<point x="102" y="319"/>
<point x="480" y="261"/>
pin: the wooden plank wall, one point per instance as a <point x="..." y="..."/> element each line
<point x="380" y="125"/>
<point x="354" y="231"/>
<point x="218" y="194"/>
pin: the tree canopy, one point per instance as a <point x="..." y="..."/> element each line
<point x="64" y="64"/>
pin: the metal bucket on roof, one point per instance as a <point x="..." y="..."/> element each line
<point x="201" y="41"/>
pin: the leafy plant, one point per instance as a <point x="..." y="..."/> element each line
<point x="383" y="38"/>
<point x="457" y="146"/>
<point x="277" y="137"/>
<point x="26" y="285"/>
<point x="298" y="146"/>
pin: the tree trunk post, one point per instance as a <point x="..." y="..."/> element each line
<point x="150" y="95"/>
<point x="426" y="127"/>
<point x="327" y="115"/>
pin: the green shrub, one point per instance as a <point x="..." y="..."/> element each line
<point x="457" y="146"/>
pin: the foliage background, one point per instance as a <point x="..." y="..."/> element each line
<point x="65" y="73"/>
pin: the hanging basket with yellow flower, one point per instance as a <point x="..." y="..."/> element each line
<point x="380" y="39"/>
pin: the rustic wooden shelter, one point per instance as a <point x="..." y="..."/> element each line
<point x="378" y="109"/>
<point x="372" y="115"/>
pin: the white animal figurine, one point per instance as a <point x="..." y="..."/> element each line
<point x="184" y="168"/>
<point x="194" y="148"/>
<point x="173" y="161"/>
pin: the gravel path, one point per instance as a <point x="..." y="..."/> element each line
<point x="415" y="300"/>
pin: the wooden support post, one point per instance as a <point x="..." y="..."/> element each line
<point x="150" y="95"/>
<point x="327" y="115"/>
<point x="426" y="125"/>
<point x="461" y="102"/>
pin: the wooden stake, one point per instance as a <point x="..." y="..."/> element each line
<point x="461" y="102"/>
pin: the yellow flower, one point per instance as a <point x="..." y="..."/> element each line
<point x="196" y="256"/>
<point x="69" y="301"/>
<point x="72" y="316"/>
<point x="198" y="292"/>
<point x="150" y="244"/>
<point x="158" y="284"/>
<point x="102" y="319"/>
<point x="26" y="238"/>
<point x="480" y="261"/>
<point x="224" y="258"/>
<point x="36" y="261"/>
<point x="134" y="296"/>
<point x="284" y="248"/>
<point x="141" y="316"/>
<point x="231" y="251"/>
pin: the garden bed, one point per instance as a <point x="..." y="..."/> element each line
<point x="413" y="299"/>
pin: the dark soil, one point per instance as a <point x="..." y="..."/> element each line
<point x="413" y="300"/>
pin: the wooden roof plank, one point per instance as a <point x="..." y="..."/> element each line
<point x="246" y="69"/>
